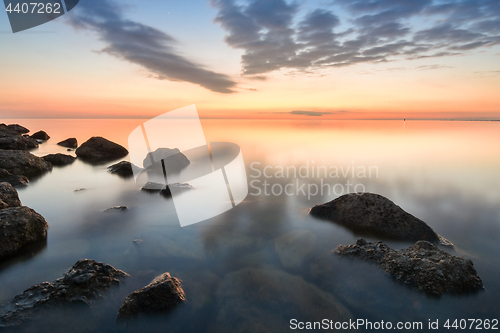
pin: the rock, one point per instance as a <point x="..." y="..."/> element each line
<point x="69" y="143"/>
<point x="19" y="162"/>
<point x="79" y="189"/>
<point x="265" y="300"/>
<point x="8" y="196"/>
<point x="165" y="190"/>
<point x="159" y="297"/>
<point x="83" y="283"/>
<point x="40" y="135"/>
<point x="423" y="266"/>
<point x="173" y="159"/>
<point x="14" y="180"/>
<point x="116" y="208"/>
<point x="98" y="149"/>
<point x="293" y="247"/>
<point x="18" y="128"/>
<point x="20" y="226"/>
<point x="17" y="142"/>
<point x="122" y="169"/>
<point x="59" y="159"/>
<point x="376" y="215"/>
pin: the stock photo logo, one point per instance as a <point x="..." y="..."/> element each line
<point x="25" y="15"/>
<point x="169" y="153"/>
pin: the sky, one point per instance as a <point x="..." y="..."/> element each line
<point x="277" y="59"/>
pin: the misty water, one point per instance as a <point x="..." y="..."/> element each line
<point x="445" y="173"/>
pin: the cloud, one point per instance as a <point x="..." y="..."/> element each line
<point x="314" y="113"/>
<point x="144" y="45"/>
<point x="276" y="34"/>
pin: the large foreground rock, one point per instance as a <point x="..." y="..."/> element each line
<point x="8" y="196"/>
<point x="265" y="300"/>
<point x="98" y="149"/>
<point x="18" y="162"/>
<point x="159" y="297"/>
<point x="173" y="159"/>
<point x="423" y="266"/>
<point x="18" y="128"/>
<point x="14" y="180"/>
<point x="69" y="143"/>
<point x="17" y="142"/>
<point x="83" y="283"/>
<point x="376" y="215"/>
<point x="59" y="159"/>
<point x="19" y="227"/>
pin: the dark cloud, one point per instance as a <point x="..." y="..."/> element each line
<point x="144" y="45"/>
<point x="274" y="34"/>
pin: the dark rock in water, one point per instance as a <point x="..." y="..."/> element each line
<point x="423" y="266"/>
<point x="159" y="297"/>
<point x="40" y="135"/>
<point x="122" y="169"/>
<point x="19" y="162"/>
<point x="59" y="159"/>
<point x="376" y="215"/>
<point x="18" y="128"/>
<point x="80" y="189"/>
<point x="8" y="196"/>
<point x="116" y="208"/>
<point x="165" y="190"/>
<point x="83" y="283"/>
<point x="98" y="149"/>
<point x="14" y="180"/>
<point x="264" y="300"/>
<point x="20" y="226"/>
<point x="69" y="143"/>
<point x="173" y="159"/>
<point x="17" y="142"/>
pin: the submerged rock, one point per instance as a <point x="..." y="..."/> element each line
<point x="83" y="283"/>
<point x="40" y="135"/>
<point x="122" y="169"/>
<point x="173" y="159"/>
<point x="294" y="246"/>
<point x="159" y="297"/>
<point x="423" y="266"/>
<point x="8" y="196"/>
<point x="69" y="143"/>
<point x="264" y="300"/>
<point x="19" y="227"/>
<point x="98" y="149"/>
<point x="376" y="215"/>
<point x="18" y="128"/>
<point x="166" y="190"/>
<point x="14" y="180"/>
<point x="59" y="159"/>
<point x="18" y="162"/>
<point x="116" y="208"/>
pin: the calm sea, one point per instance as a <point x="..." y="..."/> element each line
<point x="443" y="172"/>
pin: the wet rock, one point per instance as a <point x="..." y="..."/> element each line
<point x="173" y="159"/>
<point x="165" y="190"/>
<point x="59" y="159"/>
<point x="376" y="215"/>
<point x="8" y="196"/>
<point x="19" y="227"/>
<point x="18" y="162"/>
<point x="153" y="187"/>
<point x="98" y="149"/>
<point x="423" y="266"/>
<point x="122" y="208"/>
<point x="264" y="300"/>
<point x="69" y="143"/>
<point x="14" y="180"/>
<point x="79" y="189"/>
<point x="159" y="297"/>
<point x="83" y="283"/>
<point x="17" y="142"/>
<point x="293" y="247"/>
<point x="40" y="135"/>
<point x="18" y="128"/>
<point x="122" y="169"/>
